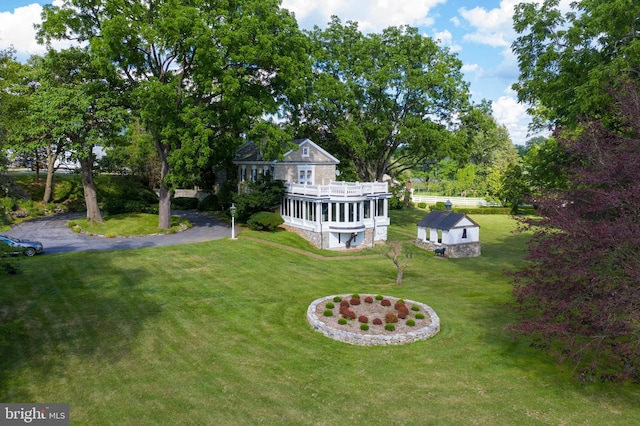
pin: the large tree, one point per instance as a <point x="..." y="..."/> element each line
<point x="567" y="58"/>
<point x="384" y="101"/>
<point x="580" y="290"/>
<point x="201" y="73"/>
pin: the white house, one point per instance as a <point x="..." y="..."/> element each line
<point x="455" y="232"/>
<point x="329" y="213"/>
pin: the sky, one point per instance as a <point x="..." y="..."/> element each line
<point x="479" y="32"/>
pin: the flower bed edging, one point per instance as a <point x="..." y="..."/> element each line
<point x="372" y="339"/>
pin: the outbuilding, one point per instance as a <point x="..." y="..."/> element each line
<point x="456" y="233"/>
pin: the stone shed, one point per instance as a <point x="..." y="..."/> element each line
<point x="458" y="234"/>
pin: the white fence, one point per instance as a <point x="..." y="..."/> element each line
<point x="456" y="201"/>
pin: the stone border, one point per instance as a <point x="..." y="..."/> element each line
<point x="373" y="339"/>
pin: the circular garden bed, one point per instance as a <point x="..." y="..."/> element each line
<point x="366" y="319"/>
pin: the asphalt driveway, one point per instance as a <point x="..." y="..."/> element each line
<point x="57" y="237"/>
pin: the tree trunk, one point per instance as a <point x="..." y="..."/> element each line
<point x="399" y="276"/>
<point x="164" y="206"/>
<point x="90" y="195"/>
<point x="48" y="187"/>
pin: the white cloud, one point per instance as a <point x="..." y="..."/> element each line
<point x="492" y="27"/>
<point x="470" y="68"/>
<point x="371" y="15"/>
<point x="17" y="29"/>
<point x="445" y="39"/>
<point x="513" y="115"/>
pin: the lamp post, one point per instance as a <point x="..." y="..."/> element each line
<point x="233" y="221"/>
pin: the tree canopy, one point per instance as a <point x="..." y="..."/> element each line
<point x="382" y="101"/>
<point x="579" y="291"/>
<point x="200" y="74"/>
<point x="568" y="59"/>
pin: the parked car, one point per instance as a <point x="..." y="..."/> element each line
<point x="17" y="246"/>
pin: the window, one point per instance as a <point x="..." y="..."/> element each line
<point x="305" y="175"/>
<point x="464" y="233"/>
<point x="341" y="214"/>
<point x="367" y="209"/>
<point x="325" y="212"/>
<point x="305" y="151"/>
<point x="350" y="212"/>
<point x="380" y="210"/>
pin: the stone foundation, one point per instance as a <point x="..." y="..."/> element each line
<point x="321" y="240"/>
<point x="454" y="251"/>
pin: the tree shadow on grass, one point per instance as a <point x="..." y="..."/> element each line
<point x="69" y="312"/>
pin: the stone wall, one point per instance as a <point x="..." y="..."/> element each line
<point x="453" y="251"/>
<point x="316" y="238"/>
<point x="373" y="339"/>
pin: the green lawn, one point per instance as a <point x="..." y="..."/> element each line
<point x="215" y="334"/>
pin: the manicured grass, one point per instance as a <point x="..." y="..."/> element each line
<point x="215" y="334"/>
<point x="127" y="225"/>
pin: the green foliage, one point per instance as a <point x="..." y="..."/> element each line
<point x="337" y="299"/>
<point x="364" y="327"/>
<point x="422" y="205"/>
<point x="265" y="221"/>
<point x="411" y="323"/>
<point x="342" y="321"/>
<point x="328" y="313"/>
<point x="419" y="316"/>
<point x="265" y="195"/>
<point x="389" y="326"/>
<point x="330" y="305"/>
<point x="379" y="297"/>
<point x="209" y="203"/>
<point x="114" y="207"/>
<point x="415" y="308"/>
<point x="184" y="203"/>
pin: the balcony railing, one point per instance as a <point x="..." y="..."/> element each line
<point x="339" y="189"/>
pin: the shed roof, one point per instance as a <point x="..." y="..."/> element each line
<point x="438" y="219"/>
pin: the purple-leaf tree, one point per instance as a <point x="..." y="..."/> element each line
<point x="579" y="293"/>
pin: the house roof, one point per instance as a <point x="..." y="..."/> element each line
<point x="251" y="152"/>
<point x="438" y="219"/>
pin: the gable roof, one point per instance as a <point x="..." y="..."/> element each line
<point x="438" y="219"/>
<point x="251" y="152"/>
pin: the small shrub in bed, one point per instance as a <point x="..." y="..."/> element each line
<point x="330" y="305"/>
<point x="364" y="327"/>
<point x="347" y="313"/>
<point x="398" y="305"/>
<point x="344" y="304"/>
<point x="377" y="321"/>
<point x="419" y="316"/>
<point x="402" y="315"/>
<point x="404" y="310"/>
<point x="379" y="297"/>
<point x="389" y="327"/>
<point x="342" y="321"/>
<point x="265" y="221"/>
<point x="415" y="308"/>
<point x="390" y="317"/>
<point x="368" y="299"/>
<point x="363" y="319"/>
<point x="385" y="302"/>
<point x="355" y="296"/>
<point x="327" y="313"/>
<point x="355" y="301"/>
<point x="337" y="299"/>
<point x="410" y="322"/>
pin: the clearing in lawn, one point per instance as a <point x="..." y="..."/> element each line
<point x="215" y="333"/>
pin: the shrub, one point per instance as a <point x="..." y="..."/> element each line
<point x="355" y="296"/>
<point x="354" y="301"/>
<point x="363" y="319"/>
<point x="337" y="299"/>
<point x="385" y="302"/>
<point x="422" y="205"/>
<point x="328" y="313"/>
<point x="114" y="207"/>
<point x="209" y="203"/>
<point x="404" y="310"/>
<point x="330" y="305"/>
<point x="379" y="297"/>
<point x="344" y="304"/>
<point x="377" y="321"/>
<point x="368" y="299"/>
<point x="389" y="327"/>
<point x="364" y="327"/>
<point x="347" y="313"/>
<point x="265" y="221"/>
<point x="398" y="305"/>
<point x="342" y="321"/>
<point x="419" y="316"/>
<point x="402" y="315"/>
<point x="184" y="203"/>
<point x="390" y="317"/>
<point x="410" y="322"/>
<point x="415" y="308"/>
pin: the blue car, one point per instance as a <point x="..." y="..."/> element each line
<point x="17" y="246"/>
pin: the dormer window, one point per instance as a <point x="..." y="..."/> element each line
<point x="305" y="151"/>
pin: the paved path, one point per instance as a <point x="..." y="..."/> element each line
<point x="57" y="237"/>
